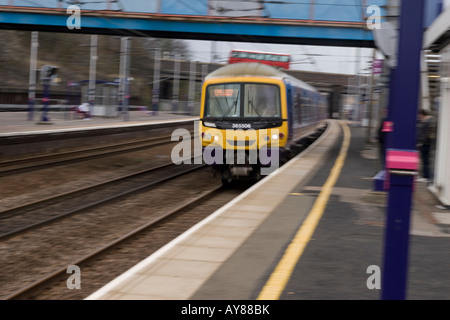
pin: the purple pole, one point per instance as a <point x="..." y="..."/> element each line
<point x="403" y="139"/>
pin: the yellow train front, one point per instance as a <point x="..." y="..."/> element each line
<point x="250" y="115"/>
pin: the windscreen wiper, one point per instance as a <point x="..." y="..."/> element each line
<point x="250" y="103"/>
<point x="234" y="105"/>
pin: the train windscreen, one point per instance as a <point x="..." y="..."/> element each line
<point x="243" y="100"/>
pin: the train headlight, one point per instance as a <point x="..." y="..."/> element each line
<point x="275" y="137"/>
<point x="209" y="137"/>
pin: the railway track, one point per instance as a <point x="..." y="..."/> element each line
<point x="31" y="215"/>
<point x="108" y="239"/>
<point x="15" y="166"/>
<point x="53" y="284"/>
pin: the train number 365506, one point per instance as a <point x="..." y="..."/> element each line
<point x="241" y="126"/>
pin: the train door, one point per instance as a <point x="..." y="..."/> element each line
<point x="289" y="111"/>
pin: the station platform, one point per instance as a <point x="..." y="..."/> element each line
<point x="308" y="231"/>
<point x="17" y="123"/>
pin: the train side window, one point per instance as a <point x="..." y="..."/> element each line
<point x="305" y="109"/>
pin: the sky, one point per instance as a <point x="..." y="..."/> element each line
<point x="306" y="58"/>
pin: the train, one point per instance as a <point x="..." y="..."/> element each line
<point x="251" y="115"/>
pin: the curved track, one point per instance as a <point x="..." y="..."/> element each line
<point x="108" y="233"/>
<point x="32" y="290"/>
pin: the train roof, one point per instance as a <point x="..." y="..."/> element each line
<point x="254" y="69"/>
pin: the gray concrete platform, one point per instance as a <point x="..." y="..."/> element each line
<point x="16" y="123"/>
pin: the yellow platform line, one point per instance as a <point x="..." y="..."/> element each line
<point x="280" y="276"/>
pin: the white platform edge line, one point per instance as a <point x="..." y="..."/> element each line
<point x="153" y="257"/>
<point x="24" y="133"/>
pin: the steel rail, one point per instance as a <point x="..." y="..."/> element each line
<point x="93" y="204"/>
<point x="27" y="290"/>
<point x="51" y="160"/>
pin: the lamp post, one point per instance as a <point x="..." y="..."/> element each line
<point x="32" y="82"/>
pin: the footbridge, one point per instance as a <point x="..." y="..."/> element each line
<point x="309" y="22"/>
